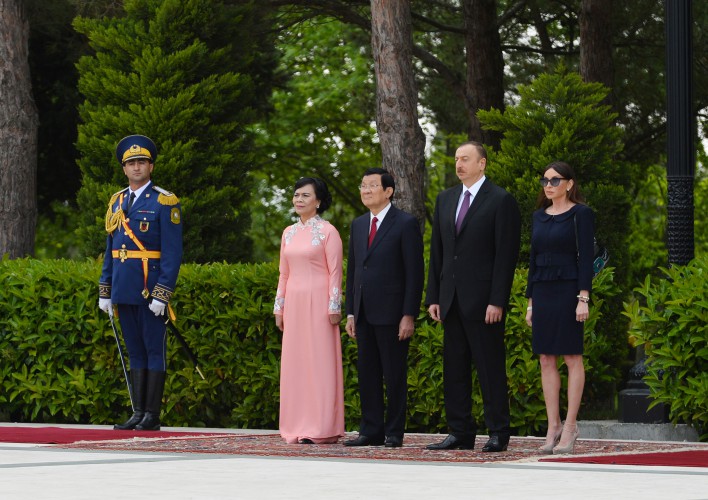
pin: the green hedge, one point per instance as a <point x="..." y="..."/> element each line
<point x="669" y="317"/>
<point x="59" y="363"/>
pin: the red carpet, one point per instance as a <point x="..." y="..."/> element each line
<point x="521" y="449"/>
<point x="63" y="435"/>
<point x="693" y="458"/>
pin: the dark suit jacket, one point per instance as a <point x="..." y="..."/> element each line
<point x="387" y="279"/>
<point x="479" y="263"/>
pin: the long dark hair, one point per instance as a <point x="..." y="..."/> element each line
<point x="566" y="171"/>
<point x="321" y="191"/>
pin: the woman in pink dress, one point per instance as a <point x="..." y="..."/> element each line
<point x="308" y="311"/>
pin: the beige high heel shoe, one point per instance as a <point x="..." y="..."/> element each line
<point x="570" y="447"/>
<point x="547" y="449"/>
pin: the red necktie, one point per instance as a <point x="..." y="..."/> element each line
<point x="372" y="233"/>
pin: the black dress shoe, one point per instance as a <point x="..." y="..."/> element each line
<point x="305" y="441"/>
<point x="393" y="442"/>
<point x="496" y="444"/>
<point x="453" y="443"/>
<point x="362" y="440"/>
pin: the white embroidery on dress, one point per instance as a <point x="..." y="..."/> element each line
<point x="291" y="232"/>
<point x="335" y="301"/>
<point x="315" y="224"/>
<point x="279" y="302"/>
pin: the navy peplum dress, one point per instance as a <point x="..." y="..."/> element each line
<point x="560" y="266"/>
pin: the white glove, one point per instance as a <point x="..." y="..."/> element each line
<point x="105" y="305"/>
<point x="157" y="307"/>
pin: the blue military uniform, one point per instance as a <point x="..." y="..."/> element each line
<point x="140" y="265"/>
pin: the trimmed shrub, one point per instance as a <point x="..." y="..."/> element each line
<point x="59" y="362"/>
<point x="669" y="317"/>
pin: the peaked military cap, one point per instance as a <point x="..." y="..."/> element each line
<point x="134" y="147"/>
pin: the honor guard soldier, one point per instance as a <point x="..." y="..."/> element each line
<point x="140" y="267"/>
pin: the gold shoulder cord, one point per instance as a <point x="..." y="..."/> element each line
<point x="113" y="219"/>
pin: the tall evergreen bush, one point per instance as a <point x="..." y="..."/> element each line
<point x="560" y="117"/>
<point x="192" y="75"/>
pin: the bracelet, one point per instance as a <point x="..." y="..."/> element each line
<point x="583" y="298"/>
<point x="529" y="308"/>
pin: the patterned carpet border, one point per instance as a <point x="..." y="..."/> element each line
<point x="521" y="449"/>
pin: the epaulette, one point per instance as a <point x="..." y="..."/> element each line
<point x="165" y="197"/>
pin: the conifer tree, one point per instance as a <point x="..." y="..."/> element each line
<point x="191" y="75"/>
<point x="559" y="117"/>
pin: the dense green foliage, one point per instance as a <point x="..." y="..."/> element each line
<point x="669" y="317"/>
<point x="192" y="75"/>
<point x="326" y="113"/>
<point x="54" y="49"/>
<point x="322" y="126"/>
<point x="59" y="362"/>
<point x="646" y="245"/>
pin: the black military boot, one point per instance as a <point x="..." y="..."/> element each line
<point x="138" y="382"/>
<point x="153" y="401"/>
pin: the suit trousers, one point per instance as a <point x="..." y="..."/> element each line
<point x="145" y="337"/>
<point x="382" y="359"/>
<point x="467" y="342"/>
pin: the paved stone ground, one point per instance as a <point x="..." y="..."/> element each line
<point x="32" y="471"/>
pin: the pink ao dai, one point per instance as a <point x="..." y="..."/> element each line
<point x="309" y="290"/>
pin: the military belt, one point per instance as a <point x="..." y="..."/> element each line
<point x="135" y="254"/>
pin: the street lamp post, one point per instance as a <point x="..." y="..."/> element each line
<point x="681" y="131"/>
<point x="680" y="170"/>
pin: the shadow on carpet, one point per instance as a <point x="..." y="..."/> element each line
<point x="521" y="449"/>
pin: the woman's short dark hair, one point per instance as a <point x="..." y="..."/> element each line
<point x="387" y="180"/>
<point x="321" y="191"/>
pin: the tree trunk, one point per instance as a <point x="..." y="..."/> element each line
<point x="402" y="139"/>
<point x="18" y="135"/>
<point x="596" y="63"/>
<point x="485" y="65"/>
<point x="542" y="30"/>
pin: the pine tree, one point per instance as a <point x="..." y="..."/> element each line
<point x="191" y="75"/>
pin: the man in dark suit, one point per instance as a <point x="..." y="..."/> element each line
<point x="384" y="289"/>
<point x="473" y="252"/>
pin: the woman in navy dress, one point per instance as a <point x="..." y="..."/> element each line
<point x="558" y="291"/>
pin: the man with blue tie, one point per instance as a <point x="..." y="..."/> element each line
<point x="474" y="248"/>
<point x="140" y="267"/>
<point x="384" y="288"/>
